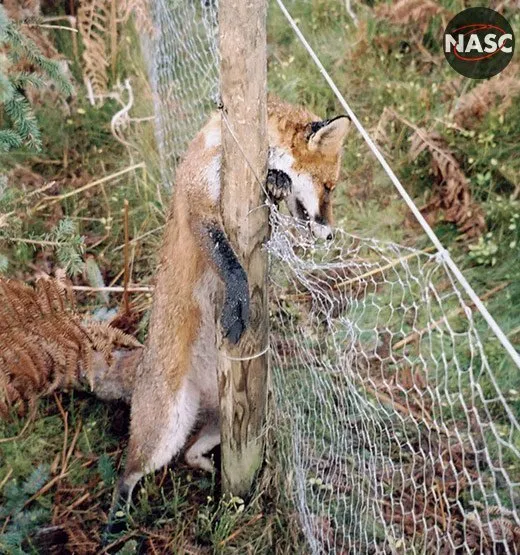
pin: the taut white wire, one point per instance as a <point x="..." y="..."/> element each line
<point x="402" y="191"/>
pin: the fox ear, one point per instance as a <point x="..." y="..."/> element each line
<point x="327" y="136"/>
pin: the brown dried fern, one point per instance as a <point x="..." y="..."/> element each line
<point x="141" y="11"/>
<point x="104" y="338"/>
<point x="473" y="106"/>
<point x="45" y="346"/>
<point x="451" y="189"/>
<point x="452" y="194"/>
<point x="417" y="13"/>
<point x="20" y="10"/>
<point x="94" y="25"/>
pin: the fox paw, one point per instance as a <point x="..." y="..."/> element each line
<point x="117" y="524"/>
<point x="200" y="462"/>
<point x="235" y="313"/>
<point x="279" y="185"/>
<point x="118" y="516"/>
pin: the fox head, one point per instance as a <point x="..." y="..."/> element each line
<point x="308" y="151"/>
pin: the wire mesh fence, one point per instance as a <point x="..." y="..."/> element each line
<point x="392" y="430"/>
<point x="392" y="426"/>
<point x="181" y="49"/>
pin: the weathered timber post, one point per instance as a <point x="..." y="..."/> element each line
<point x="243" y="383"/>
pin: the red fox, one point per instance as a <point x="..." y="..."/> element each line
<point x="176" y="379"/>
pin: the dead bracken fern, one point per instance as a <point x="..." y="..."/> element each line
<point x="140" y="9"/>
<point x="405" y="12"/>
<point x="379" y="132"/>
<point x="20" y="10"/>
<point x="452" y="194"/>
<point x="413" y="20"/>
<point x="473" y="106"/>
<point x="451" y="190"/>
<point x="94" y="25"/>
<point x="44" y="345"/>
<point x="105" y="338"/>
<point x="98" y="22"/>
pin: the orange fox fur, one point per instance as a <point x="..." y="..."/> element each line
<point x="199" y="278"/>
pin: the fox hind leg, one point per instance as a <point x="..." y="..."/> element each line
<point x="157" y="434"/>
<point x="207" y="438"/>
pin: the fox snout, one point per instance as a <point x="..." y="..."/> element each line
<point x="321" y="231"/>
<point x="307" y="208"/>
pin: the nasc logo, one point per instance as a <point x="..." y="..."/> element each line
<point x="479" y="43"/>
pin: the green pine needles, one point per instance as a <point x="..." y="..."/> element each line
<point x="18" y="124"/>
<point x="70" y="246"/>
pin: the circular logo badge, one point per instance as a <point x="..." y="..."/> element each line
<point x="478" y="43"/>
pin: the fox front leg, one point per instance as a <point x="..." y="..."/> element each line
<point x="279" y="185"/>
<point x="235" y="312"/>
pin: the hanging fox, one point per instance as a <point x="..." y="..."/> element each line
<point x="172" y="382"/>
<point x="176" y="379"/>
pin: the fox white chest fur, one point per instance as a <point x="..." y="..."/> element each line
<point x="200" y="281"/>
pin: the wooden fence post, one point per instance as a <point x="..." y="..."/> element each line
<point x="243" y="383"/>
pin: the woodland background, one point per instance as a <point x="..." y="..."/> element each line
<point x="66" y="176"/>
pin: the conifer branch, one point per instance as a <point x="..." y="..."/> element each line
<point x="20" y="124"/>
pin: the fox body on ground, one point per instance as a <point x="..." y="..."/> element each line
<point x="200" y="279"/>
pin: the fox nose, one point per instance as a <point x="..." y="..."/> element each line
<point x="329" y="237"/>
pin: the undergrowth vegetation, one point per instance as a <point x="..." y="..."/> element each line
<point x="64" y="207"/>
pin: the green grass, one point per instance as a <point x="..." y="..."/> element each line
<point x="180" y="510"/>
<point x="176" y="509"/>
